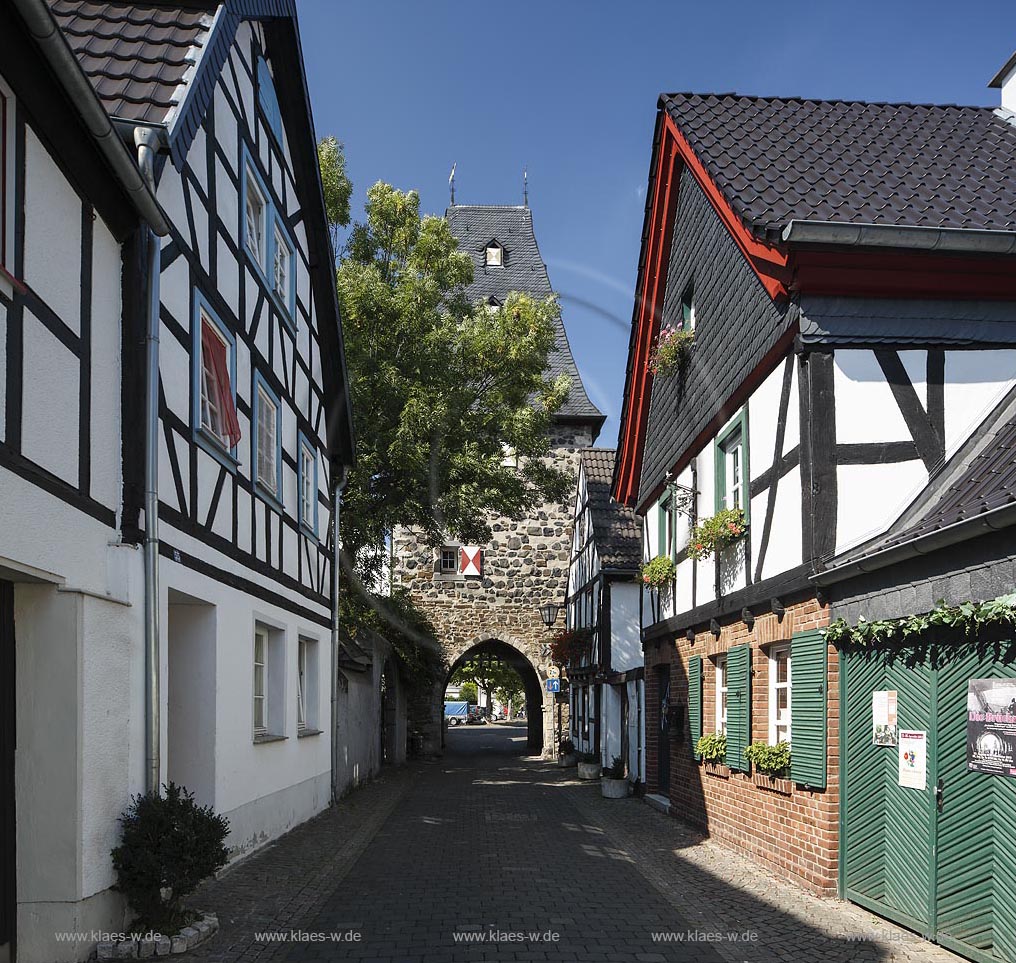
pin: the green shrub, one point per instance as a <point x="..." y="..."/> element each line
<point x="770" y="760"/>
<point x="712" y="746"/>
<point x="590" y="758"/>
<point x="169" y="845"/>
<point x="566" y="747"/>
<point x="616" y="769"/>
<point x="723" y="528"/>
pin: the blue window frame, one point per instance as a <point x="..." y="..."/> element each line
<point x="268" y="99"/>
<point x="307" y="486"/>
<point x="204" y="428"/>
<point x="266" y="441"/>
<point x="263" y="235"/>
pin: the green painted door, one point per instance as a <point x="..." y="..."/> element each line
<point x="942" y="863"/>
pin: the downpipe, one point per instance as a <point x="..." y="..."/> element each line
<point x="336" y="572"/>
<point x="147" y="141"/>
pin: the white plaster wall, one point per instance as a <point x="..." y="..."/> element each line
<point x="264" y="789"/>
<point x="635" y="691"/>
<point x="975" y="382"/>
<point x="866" y="410"/>
<point x="784" y="550"/>
<point x="625" y="631"/>
<point x="871" y="497"/>
<point x="763" y="420"/>
<point x="104" y="389"/>
<point x="52" y="234"/>
<point x="610" y="734"/>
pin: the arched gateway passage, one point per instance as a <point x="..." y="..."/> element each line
<point x="531" y="681"/>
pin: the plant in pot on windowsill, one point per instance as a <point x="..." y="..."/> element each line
<point x="712" y="534"/>
<point x="712" y="747"/>
<point x="613" y="785"/>
<point x="770" y="765"/>
<point x="672" y="351"/>
<point x="589" y="766"/>
<point x="567" y="756"/>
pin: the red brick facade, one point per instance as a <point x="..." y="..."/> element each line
<point x="791" y="830"/>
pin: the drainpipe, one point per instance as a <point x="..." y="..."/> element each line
<point x="147" y="141"/>
<point x="336" y="567"/>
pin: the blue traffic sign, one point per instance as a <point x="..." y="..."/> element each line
<point x="553" y="685"/>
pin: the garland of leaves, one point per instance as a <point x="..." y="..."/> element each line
<point x="968" y="620"/>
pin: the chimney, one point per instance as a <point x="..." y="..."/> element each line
<point x="1005" y="80"/>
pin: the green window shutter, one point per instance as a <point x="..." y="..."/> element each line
<point x="695" y="703"/>
<point x="808" y="701"/>
<point x="738" y="706"/>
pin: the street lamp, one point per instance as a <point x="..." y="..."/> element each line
<point x="549" y="612"/>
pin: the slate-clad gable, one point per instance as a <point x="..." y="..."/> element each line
<point x="475" y="226"/>
<point x="736" y="324"/>
<point x="777" y="159"/>
<point x="616" y="529"/>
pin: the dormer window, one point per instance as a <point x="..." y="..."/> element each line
<point x="492" y="303"/>
<point x="494" y="255"/>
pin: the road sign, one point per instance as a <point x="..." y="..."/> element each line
<point x="553" y="685"/>
<point x="553" y="672"/>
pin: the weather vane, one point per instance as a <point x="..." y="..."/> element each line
<point x="525" y="187"/>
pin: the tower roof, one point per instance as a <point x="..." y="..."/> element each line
<point x="522" y="269"/>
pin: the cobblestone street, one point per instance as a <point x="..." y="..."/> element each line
<point x="487" y="855"/>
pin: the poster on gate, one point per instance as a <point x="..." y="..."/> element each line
<point x="913" y="759"/>
<point x="991" y="726"/>
<point x="883" y="717"/>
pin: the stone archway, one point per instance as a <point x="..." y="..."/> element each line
<point x="527" y="659"/>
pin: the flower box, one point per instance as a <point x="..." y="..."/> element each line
<point x="777" y="784"/>
<point x="718" y="769"/>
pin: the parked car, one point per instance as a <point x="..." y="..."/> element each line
<point x="476" y="717"/>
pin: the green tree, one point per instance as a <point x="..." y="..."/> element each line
<point x="493" y="676"/>
<point x="468" y="693"/>
<point x="441" y="387"/>
<point x="336" y="185"/>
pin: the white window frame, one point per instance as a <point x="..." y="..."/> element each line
<point x="212" y="420"/>
<point x="302" y="648"/>
<point x="308" y="486"/>
<point x="493" y="255"/>
<point x="261" y="638"/>
<point x="721" y="692"/>
<point x="254" y="190"/>
<point x="454" y="549"/>
<point x="775" y="722"/>
<point x="264" y="400"/>
<point x="284" y="260"/>
<point x="733" y="469"/>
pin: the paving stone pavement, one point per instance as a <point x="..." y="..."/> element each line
<point x="426" y="864"/>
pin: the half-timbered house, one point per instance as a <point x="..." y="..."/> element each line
<point x="174" y="429"/>
<point x="606" y="685"/>
<point x="842" y="280"/>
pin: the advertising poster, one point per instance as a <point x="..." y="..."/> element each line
<point x="883" y="718"/>
<point x="913" y="756"/>
<point x="991" y="726"/>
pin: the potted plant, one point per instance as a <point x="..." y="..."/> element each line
<point x="613" y="785"/>
<point x="711" y="534"/>
<point x="770" y="765"/>
<point x="589" y="766"/>
<point x="567" y="756"/>
<point x="570" y="646"/>
<point x="712" y="747"/>
<point x="658" y="572"/>
<point x="672" y="350"/>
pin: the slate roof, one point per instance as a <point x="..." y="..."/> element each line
<point x="616" y="528"/>
<point x="776" y="159"/>
<point x="137" y="56"/>
<point x="475" y="226"/>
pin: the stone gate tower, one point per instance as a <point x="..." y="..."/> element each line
<point x="526" y="562"/>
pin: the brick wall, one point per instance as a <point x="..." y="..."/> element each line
<point x="793" y="832"/>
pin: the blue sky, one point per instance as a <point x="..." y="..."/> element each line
<point x="569" y="90"/>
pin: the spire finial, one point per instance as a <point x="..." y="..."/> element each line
<point x="525" y="187"/>
<point x="451" y="184"/>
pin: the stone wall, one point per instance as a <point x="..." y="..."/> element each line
<point x="524" y="566"/>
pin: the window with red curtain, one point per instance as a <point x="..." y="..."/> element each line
<point x="218" y="413"/>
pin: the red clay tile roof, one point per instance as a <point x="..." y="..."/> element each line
<point x="777" y="159"/>
<point x="136" y="55"/>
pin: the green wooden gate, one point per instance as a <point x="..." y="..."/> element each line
<point x="941" y="861"/>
